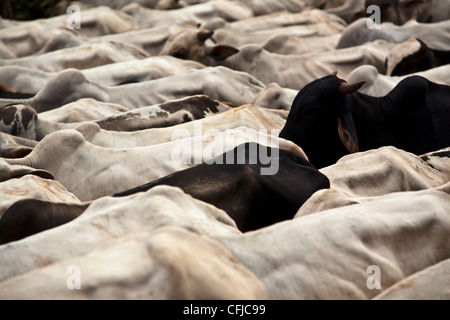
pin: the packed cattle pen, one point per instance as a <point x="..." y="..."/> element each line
<point x="225" y="150"/>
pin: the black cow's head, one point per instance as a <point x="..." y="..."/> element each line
<point x="320" y="120"/>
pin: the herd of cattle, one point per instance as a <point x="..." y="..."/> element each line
<point x="226" y="149"/>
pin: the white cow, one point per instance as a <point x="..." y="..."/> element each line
<point x="286" y="19"/>
<point x="14" y="147"/>
<point x="289" y="71"/>
<point x="275" y="97"/>
<point x="198" y="13"/>
<point x="432" y="283"/>
<point x="219" y="83"/>
<point x="25" y="80"/>
<point x="379" y="85"/>
<point x="90" y="171"/>
<point x="359" y="177"/>
<point x="157" y="260"/>
<point x="8" y="171"/>
<point x="81" y="57"/>
<point x="381" y="231"/>
<point x="24" y="122"/>
<point x="303" y="35"/>
<point x="348" y="10"/>
<point x="263" y="7"/>
<point x="28" y="37"/>
<point x="85" y="109"/>
<point x="399" y="12"/>
<point x="288" y="44"/>
<point x="33" y="184"/>
<point x="118" y="4"/>
<point x="110" y="218"/>
<point x="351" y="252"/>
<point x="434" y="35"/>
<point x="249" y="116"/>
<point x="400" y="233"/>
<point x="151" y="40"/>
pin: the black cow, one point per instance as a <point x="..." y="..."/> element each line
<point x="329" y="119"/>
<point x="30" y="216"/>
<point x="421" y="60"/>
<point x="253" y="200"/>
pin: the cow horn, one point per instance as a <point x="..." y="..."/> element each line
<point x="346" y="88"/>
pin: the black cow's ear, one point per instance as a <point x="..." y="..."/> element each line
<point x="221" y="52"/>
<point x="347" y="133"/>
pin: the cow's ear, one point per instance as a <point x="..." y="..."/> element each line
<point x="221" y="52"/>
<point x="347" y="133"/>
<point x="204" y="35"/>
<point x="22" y="171"/>
<point x="14" y="151"/>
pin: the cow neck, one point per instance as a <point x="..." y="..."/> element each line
<point x="366" y="108"/>
<point x="245" y="60"/>
<point x="373" y="117"/>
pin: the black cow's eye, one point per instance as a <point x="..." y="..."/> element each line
<point x="309" y="112"/>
